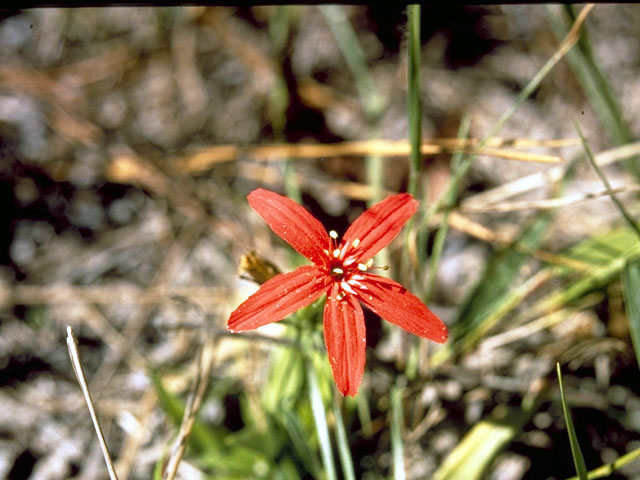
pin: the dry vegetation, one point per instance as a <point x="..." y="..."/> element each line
<point x="129" y="138"/>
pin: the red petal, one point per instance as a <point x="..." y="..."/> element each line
<point x="278" y="297"/>
<point x="293" y="224"/>
<point x="379" y="225"/>
<point x="395" y="304"/>
<point x="345" y="337"/>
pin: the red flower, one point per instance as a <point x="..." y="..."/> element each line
<point x="340" y="271"/>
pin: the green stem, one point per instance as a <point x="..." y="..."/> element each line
<point x="320" y="419"/>
<point x="414" y="106"/>
<point x="343" y="444"/>
<point x="397" y="419"/>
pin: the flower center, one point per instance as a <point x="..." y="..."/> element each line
<point x="342" y="265"/>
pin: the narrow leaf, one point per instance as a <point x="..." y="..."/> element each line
<point x="578" y="459"/>
<point x="320" y="418"/>
<point x="343" y="444"/>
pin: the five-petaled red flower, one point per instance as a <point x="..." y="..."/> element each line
<point x="340" y="271"/>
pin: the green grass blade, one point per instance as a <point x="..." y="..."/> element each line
<point x="298" y="439"/>
<point x="364" y="412"/>
<point x="600" y="249"/>
<point x="598" y="277"/>
<point x="343" y="444"/>
<point x="596" y="87"/>
<point x="609" y="469"/>
<point x="285" y="381"/>
<point x="397" y="420"/>
<point x="414" y="106"/>
<point x="631" y="292"/>
<point x="578" y="459"/>
<point x="526" y="92"/>
<point x="414" y="114"/>
<point x="606" y="183"/>
<point x="320" y="419"/>
<point x="372" y="101"/>
<point x="353" y="54"/>
<point x="493" y="296"/>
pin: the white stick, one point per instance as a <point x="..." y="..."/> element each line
<point x="72" y="345"/>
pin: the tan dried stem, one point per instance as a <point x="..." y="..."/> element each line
<point x="198" y="389"/>
<point x="72" y="345"/>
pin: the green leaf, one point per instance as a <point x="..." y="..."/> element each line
<point x="596" y="278"/>
<point x="631" y="292"/>
<point x="298" y="437"/>
<point x="600" y="249"/>
<point x="578" y="459"/>
<point x="284" y="386"/>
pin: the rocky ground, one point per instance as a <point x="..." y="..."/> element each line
<point x="120" y="220"/>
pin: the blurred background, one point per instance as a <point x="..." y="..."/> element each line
<point x="129" y="139"/>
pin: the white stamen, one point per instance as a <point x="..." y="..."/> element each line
<point x="369" y="263"/>
<point x="337" y="270"/>
<point x="348" y="261"/>
<point x="340" y="296"/>
<point x="333" y="234"/>
<point x="347" y="288"/>
<point x="362" y="267"/>
<point x="356" y="283"/>
<point x="336" y="252"/>
<point x="326" y="251"/>
<point x="355" y="243"/>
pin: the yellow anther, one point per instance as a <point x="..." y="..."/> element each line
<point x="355" y="243"/>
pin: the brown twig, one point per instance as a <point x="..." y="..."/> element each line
<point x="198" y="389"/>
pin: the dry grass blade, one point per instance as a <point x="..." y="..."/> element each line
<point x="105" y="294"/>
<point x="207" y="157"/>
<point x="543" y="179"/>
<point x="137" y="436"/>
<point x="72" y="345"/>
<point x="476" y="230"/>
<point x="526" y="330"/>
<point x="196" y="396"/>
<point x="549" y="203"/>
<point x="623" y="211"/>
